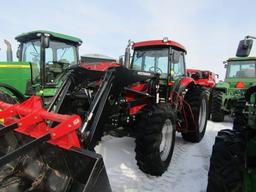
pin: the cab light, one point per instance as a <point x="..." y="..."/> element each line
<point x="165" y="40"/>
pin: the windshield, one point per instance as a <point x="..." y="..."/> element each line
<point x="153" y="60"/>
<point x="58" y="57"/>
<point x="241" y="69"/>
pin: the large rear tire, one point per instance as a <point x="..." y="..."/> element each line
<point x="7" y="98"/>
<point x="216" y="111"/>
<point x="155" y="139"/>
<point x="227" y="162"/>
<point x="241" y="119"/>
<point x="197" y="98"/>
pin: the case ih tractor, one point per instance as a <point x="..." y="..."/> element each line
<point x="203" y="77"/>
<point x="43" y="58"/>
<point x="232" y="166"/>
<point x="150" y="99"/>
<point x="240" y="75"/>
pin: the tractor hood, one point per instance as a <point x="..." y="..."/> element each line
<point x="9" y="71"/>
<point x="242" y="83"/>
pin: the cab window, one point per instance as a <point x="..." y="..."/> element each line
<point x="177" y="65"/>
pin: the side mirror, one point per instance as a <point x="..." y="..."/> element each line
<point x="244" y="48"/>
<point x="46" y="41"/>
<point x="18" y="53"/>
<point x="176" y="56"/>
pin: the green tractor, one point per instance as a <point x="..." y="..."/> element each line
<point x="233" y="160"/>
<point x="240" y="75"/>
<point x="43" y="57"/>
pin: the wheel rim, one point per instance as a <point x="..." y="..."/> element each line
<point x="202" y="115"/>
<point x="166" y="140"/>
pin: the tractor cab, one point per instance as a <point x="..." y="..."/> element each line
<point x="43" y="58"/>
<point x="49" y="54"/>
<point x="241" y="72"/>
<point x="164" y="57"/>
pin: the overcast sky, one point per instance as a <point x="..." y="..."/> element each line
<point x="209" y="29"/>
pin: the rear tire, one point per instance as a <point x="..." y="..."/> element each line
<point x="7" y="98"/>
<point x="241" y="119"/>
<point x="197" y="98"/>
<point x="227" y="162"/>
<point x="216" y="111"/>
<point x="155" y="139"/>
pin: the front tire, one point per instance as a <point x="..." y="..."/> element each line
<point x="227" y="162"/>
<point x="197" y="98"/>
<point x="155" y="139"/>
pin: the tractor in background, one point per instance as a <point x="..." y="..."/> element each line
<point x="203" y="77"/>
<point x="43" y="57"/>
<point x="240" y="75"/>
<point x="232" y="164"/>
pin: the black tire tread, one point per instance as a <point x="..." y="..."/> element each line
<point x="148" y="138"/>
<point x="227" y="162"/>
<point x="216" y="111"/>
<point x="194" y="97"/>
<point x="241" y="119"/>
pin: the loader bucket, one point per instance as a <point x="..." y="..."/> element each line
<point x="38" y="156"/>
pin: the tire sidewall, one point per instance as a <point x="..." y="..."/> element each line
<point x="151" y="162"/>
<point x="204" y="97"/>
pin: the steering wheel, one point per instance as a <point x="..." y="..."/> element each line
<point x="155" y="69"/>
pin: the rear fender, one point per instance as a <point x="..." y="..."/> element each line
<point x="182" y="84"/>
<point x="222" y="86"/>
<point x="14" y="91"/>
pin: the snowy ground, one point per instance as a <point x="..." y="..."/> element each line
<point x="187" y="172"/>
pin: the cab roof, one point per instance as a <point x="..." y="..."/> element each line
<point x="59" y="36"/>
<point x="159" y="43"/>
<point x="241" y="59"/>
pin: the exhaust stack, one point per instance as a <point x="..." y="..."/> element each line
<point x="127" y="55"/>
<point x="8" y="51"/>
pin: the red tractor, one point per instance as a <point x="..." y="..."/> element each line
<point x="150" y="98"/>
<point x="203" y="77"/>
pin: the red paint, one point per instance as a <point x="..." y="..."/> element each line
<point x="186" y="81"/>
<point x="32" y="119"/>
<point x="102" y="66"/>
<point x="130" y="96"/>
<point x="206" y="80"/>
<point x="159" y="43"/>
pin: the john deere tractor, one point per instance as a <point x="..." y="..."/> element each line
<point x="240" y="75"/>
<point x="233" y="166"/>
<point x="43" y="57"/>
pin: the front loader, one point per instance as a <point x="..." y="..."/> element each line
<point x="41" y="150"/>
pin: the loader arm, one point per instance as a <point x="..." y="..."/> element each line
<point x="112" y="84"/>
<point x="115" y="82"/>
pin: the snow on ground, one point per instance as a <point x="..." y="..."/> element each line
<point x="187" y="171"/>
